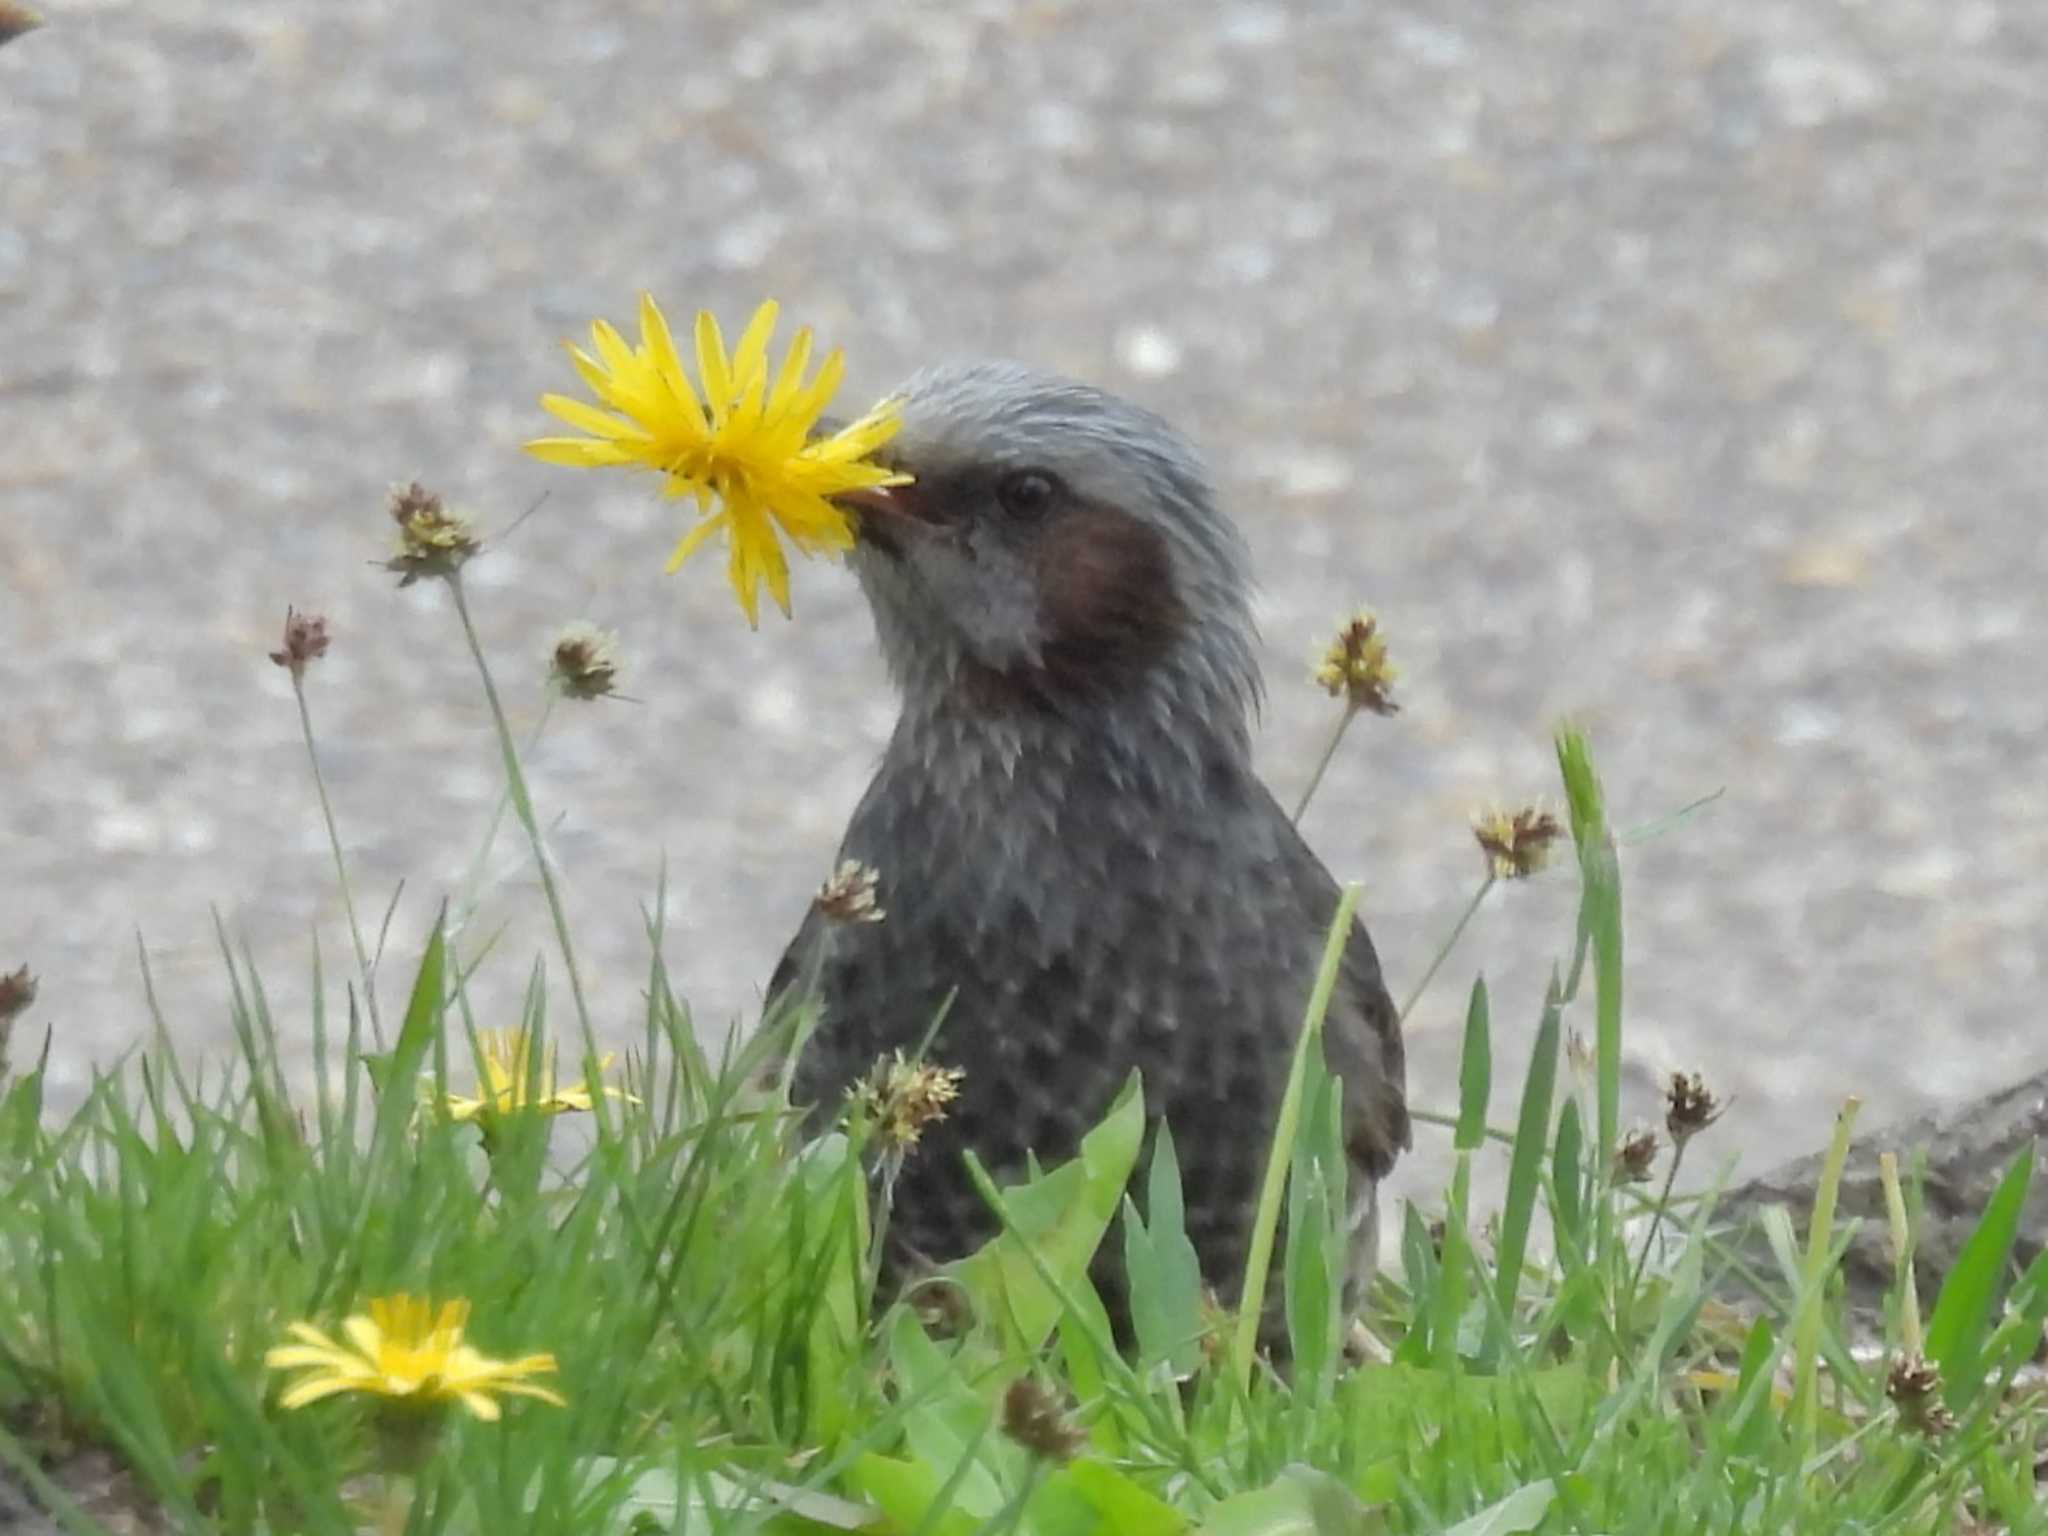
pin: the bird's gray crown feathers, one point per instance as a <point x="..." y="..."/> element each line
<point x="1060" y="543"/>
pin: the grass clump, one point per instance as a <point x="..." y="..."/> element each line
<point x="579" y="1298"/>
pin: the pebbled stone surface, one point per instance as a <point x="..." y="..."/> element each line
<point x="1678" y="367"/>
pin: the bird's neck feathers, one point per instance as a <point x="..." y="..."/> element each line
<point x="1159" y="735"/>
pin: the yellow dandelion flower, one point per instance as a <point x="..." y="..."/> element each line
<point x="404" y="1349"/>
<point x="511" y="1083"/>
<point x="743" y="449"/>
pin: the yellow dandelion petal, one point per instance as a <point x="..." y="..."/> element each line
<point x="713" y="368"/>
<point x="750" y="358"/>
<point x="578" y="413"/>
<point x="579" y="452"/>
<point x="789" y="382"/>
<point x="661" y="351"/>
<point x="690" y="542"/>
<point x="811" y="401"/>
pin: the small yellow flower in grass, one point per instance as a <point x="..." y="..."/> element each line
<point x="1354" y="666"/>
<point x="406" y="1350"/>
<point x="743" y="446"/>
<point x="1516" y="843"/>
<point x="512" y="1084"/>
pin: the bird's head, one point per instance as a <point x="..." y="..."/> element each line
<point x="1059" y="550"/>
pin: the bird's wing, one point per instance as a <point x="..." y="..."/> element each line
<point x="1361" y="1031"/>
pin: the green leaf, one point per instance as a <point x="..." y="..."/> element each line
<point x="1061" y="1215"/>
<point x="908" y="1494"/>
<point x="1125" y="1508"/>
<point x="1475" y="1073"/>
<point x="1962" y="1314"/>
<point x="1525" y="1168"/>
<point x="1567" y="1178"/>
<point x="1159" y="1260"/>
<point x="1521" y="1510"/>
<point x="1299" y="1502"/>
<point x="1599" y="925"/>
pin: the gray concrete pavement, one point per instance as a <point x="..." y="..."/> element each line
<point x="1679" y="366"/>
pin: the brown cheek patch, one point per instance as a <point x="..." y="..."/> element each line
<point x="1106" y="598"/>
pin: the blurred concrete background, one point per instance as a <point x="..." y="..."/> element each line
<point x="1678" y="366"/>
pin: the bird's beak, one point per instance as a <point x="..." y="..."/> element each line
<point x="884" y="514"/>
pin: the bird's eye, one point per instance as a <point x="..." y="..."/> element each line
<point x="1027" y="492"/>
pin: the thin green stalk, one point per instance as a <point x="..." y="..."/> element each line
<point x="522" y="805"/>
<point x="1252" y="1296"/>
<point x="1808" y="1323"/>
<point x="1011" y="1515"/>
<point x="465" y="906"/>
<point x="348" y="900"/>
<point x="1656" y="1218"/>
<point x="1902" y="1252"/>
<point x="1444" y="950"/>
<point x="1315" y="779"/>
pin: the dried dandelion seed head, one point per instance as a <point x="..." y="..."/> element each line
<point x="900" y="1098"/>
<point x="1354" y="667"/>
<point x="584" y="662"/>
<point x="1516" y="843"/>
<point x="1689" y="1107"/>
<point x="1036" y="1420"/>
<point x="305" y="641"/>
<point x="1914" y="1385"/>
<point x="1636" y="1156"/>
<point x="849" y="896"/>
<point x="432" y="541"/>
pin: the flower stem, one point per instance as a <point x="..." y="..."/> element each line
<point x="1656" y="1218"/>
<point x="522" y="806"/>
<point x="348" y="901"/>
<point x="472" y="896"/>
<point x="1323" y="763"/>
<point x="1444" y="951"/>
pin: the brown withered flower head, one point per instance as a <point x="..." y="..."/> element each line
<point x="305" y="640"/>
<point x="1355" y="668"/>
<point x="1914" y="1384"/>
<point x="584" y="663"/>
<point x="1689" y="1107"/>
<point x="902" y="1097"/>
<point x="1035" y="1419"/>
<point x="17" y="991"/>
<point x="1636" y="1155"/>
<point x="1516" y="843"/>
<point x="849" y="896"/>
<point x="432" y="541"/>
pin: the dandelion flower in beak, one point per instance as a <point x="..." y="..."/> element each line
<point x="737" y="440"/>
